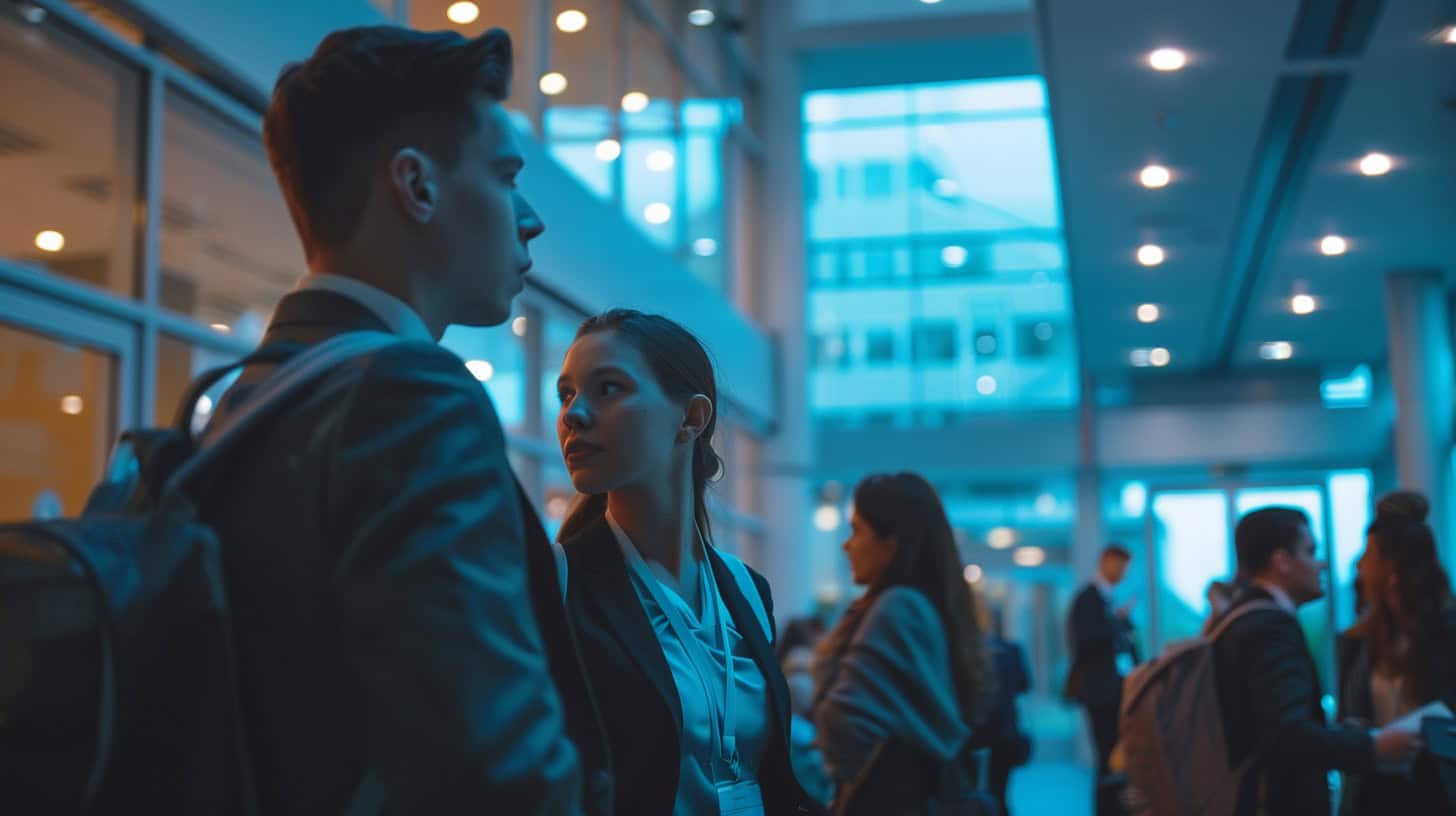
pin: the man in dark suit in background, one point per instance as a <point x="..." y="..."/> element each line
<point x="1102" y="653"/>
<point x="390" y="584"/>
<point x="1268" y="689"/>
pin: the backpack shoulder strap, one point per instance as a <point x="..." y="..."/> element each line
<point x="278" y="390"/>
<point x="1239" y="612"/>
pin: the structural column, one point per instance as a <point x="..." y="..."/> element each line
<point x="1419" y="339"/>
<point x="775" y="294"/>
<point x="1088" y="532"/>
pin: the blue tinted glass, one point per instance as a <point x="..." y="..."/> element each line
<point x="936" y="251"/>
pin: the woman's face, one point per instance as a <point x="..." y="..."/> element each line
<point x="869" y="552"/>
<point x="1373" y="572"/>
<point x="616" y="425"/>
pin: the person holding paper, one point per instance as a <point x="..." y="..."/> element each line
<point x="1399" y="661"/>
<point x="1268" y="688"/>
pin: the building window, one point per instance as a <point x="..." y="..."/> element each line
<point x="879" y="346"/>
<point x="878" y="179"/>
<point x="934" y="342"/>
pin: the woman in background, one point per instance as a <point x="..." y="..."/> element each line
<point x="902" y="679"/>
<point x="1401" y="654"/>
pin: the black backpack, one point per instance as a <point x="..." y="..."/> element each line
<point x="117" y="685"/>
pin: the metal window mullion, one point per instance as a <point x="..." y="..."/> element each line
<point x="149" y="202"/>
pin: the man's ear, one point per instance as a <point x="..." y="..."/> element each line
<point x="414" y="184"/>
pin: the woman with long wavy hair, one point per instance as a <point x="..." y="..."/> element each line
<point x="903" y="678"/>
<point x="1401" y="654"/>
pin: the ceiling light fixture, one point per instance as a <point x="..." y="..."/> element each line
<point x="1302" y="304"/>
<point x="705" y="247"/>
<point x="635" y="102"/>
<point x="1159" y="357"/>
<point x="518" y="326"/>
<point x="1151" y="255"/>
<point x="657" y="213"/>
<point x="1278" y="350"/>
<point x="1029" y="556"/>
<point x="608" y="150"/>
<point x="1148" y="313"/>
<point x="481" y="369"/>
<point x="985" y="385"/>
<point x="946" y="188"/>
<point x="660" y="161"/>
<point x="1167" y="59"/>
<point x="553" y="83"/>
<point x="1000" y="538"/>
<point x="72" y="404"/>
<point x="972" y="573"/>
<point x="701" y="17"/>
<point x="954" y="256"/>
<point x="463" y="12"/>
<point x="826" y="518"/>
<point x="570" y="21"/>
<point x="1447" y="37"/>
<point x="1375" y="164"/>
<point x="1154" y="176"/>
<point x="1333" y="245"/>
<point x="222" y="328"/>
<point x="50" y="241"/>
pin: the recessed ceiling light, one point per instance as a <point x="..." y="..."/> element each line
<point x="1333" y="245"/>
<point x="462" y="12"/>
<point x="972" y="573"/>
<point x="705" y="247"/>
<point x="1154" y="176"/>
<point x="1045" y="505"/>
<point x="1159" y="357"/>
<point x="657" y="213"/>
<point x="1151" y="255"/>
<point x="50" y="241"/>
<point x="1029" y="556"/>
<point x="1449" y="35"/>
<point x="608" y="149"/>
<point x="72" y="404"/>
<point x="1278" y="350"/>
<point x="930" y="2"/>
<point x="985" y="385"/>
<point x="1000" y="538"/>
<point x="702" y="17"/>
<point x="1301" y="304"/>
<point x="553" y="83"/>
<point x="826" y="518"/>
<point x="481" y="369"/>
<point x="660" y="161"/>
<point x="571" y="21"/>
<point x="1167" y="59"/>
<point x="1375" y="164"/>
<point x="518" y="326"/>
<point x="635" y="102"/>
<point x="222" y="328"/>
<point x="954" y="256"/>
<point x="1148" y="313"/>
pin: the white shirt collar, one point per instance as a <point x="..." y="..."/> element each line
<point x="398" y="316"/>
<point x="1280" y="596"/>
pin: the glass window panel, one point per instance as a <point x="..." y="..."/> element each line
<point x="228" y="246"/>
<point x="178" y="364"/>
<point x="585" y="113"/>
<point x="705" y="127"/>
<point x="1027" y="93"/>
<point x="56" y="424"/>
<point x="1350" y="511"/>
<point x="1194" y="547"/>
<point x="69" y="155"/>
<point x="497" y="358"/>
<point x="653" y="167"/>
<point x="832" y="107"/>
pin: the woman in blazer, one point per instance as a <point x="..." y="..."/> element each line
<point x="675" y="634"/>
<point x="901" y="680"/>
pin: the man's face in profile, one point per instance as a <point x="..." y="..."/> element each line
<point x="485" y="222"/>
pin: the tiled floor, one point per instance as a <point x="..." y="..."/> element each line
<point x="1052" y="788"/>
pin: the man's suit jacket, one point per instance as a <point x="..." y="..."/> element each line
<point x="1096" y="636"/>
<point x="641" y="707"/>
<point x="382" y="570"/>
<point x="1270" y="697"/>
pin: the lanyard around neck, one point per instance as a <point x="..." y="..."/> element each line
<point x="720" y="710"/>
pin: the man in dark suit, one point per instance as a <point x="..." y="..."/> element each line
<point x="399" y="629"/>
<point x="1268" y="689"/>
<point x="1100" y="640"/>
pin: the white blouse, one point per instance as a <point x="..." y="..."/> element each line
<point x="701" y="770"/>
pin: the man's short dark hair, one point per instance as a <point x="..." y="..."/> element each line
<point x="1116" y="551"/>
<point x="1262" y="532"/>
<point x="365" y="93"/>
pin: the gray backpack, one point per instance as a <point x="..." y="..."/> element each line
<point x="1173" y="742"/>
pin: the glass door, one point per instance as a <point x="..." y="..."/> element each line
<point x="65" y="376"/>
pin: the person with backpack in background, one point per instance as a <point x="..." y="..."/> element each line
<point x="1268" y="688"/>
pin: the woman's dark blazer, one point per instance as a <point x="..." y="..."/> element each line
<point x="634" y="685"/>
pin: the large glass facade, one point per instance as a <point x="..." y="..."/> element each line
<point x="937" y="269"/>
